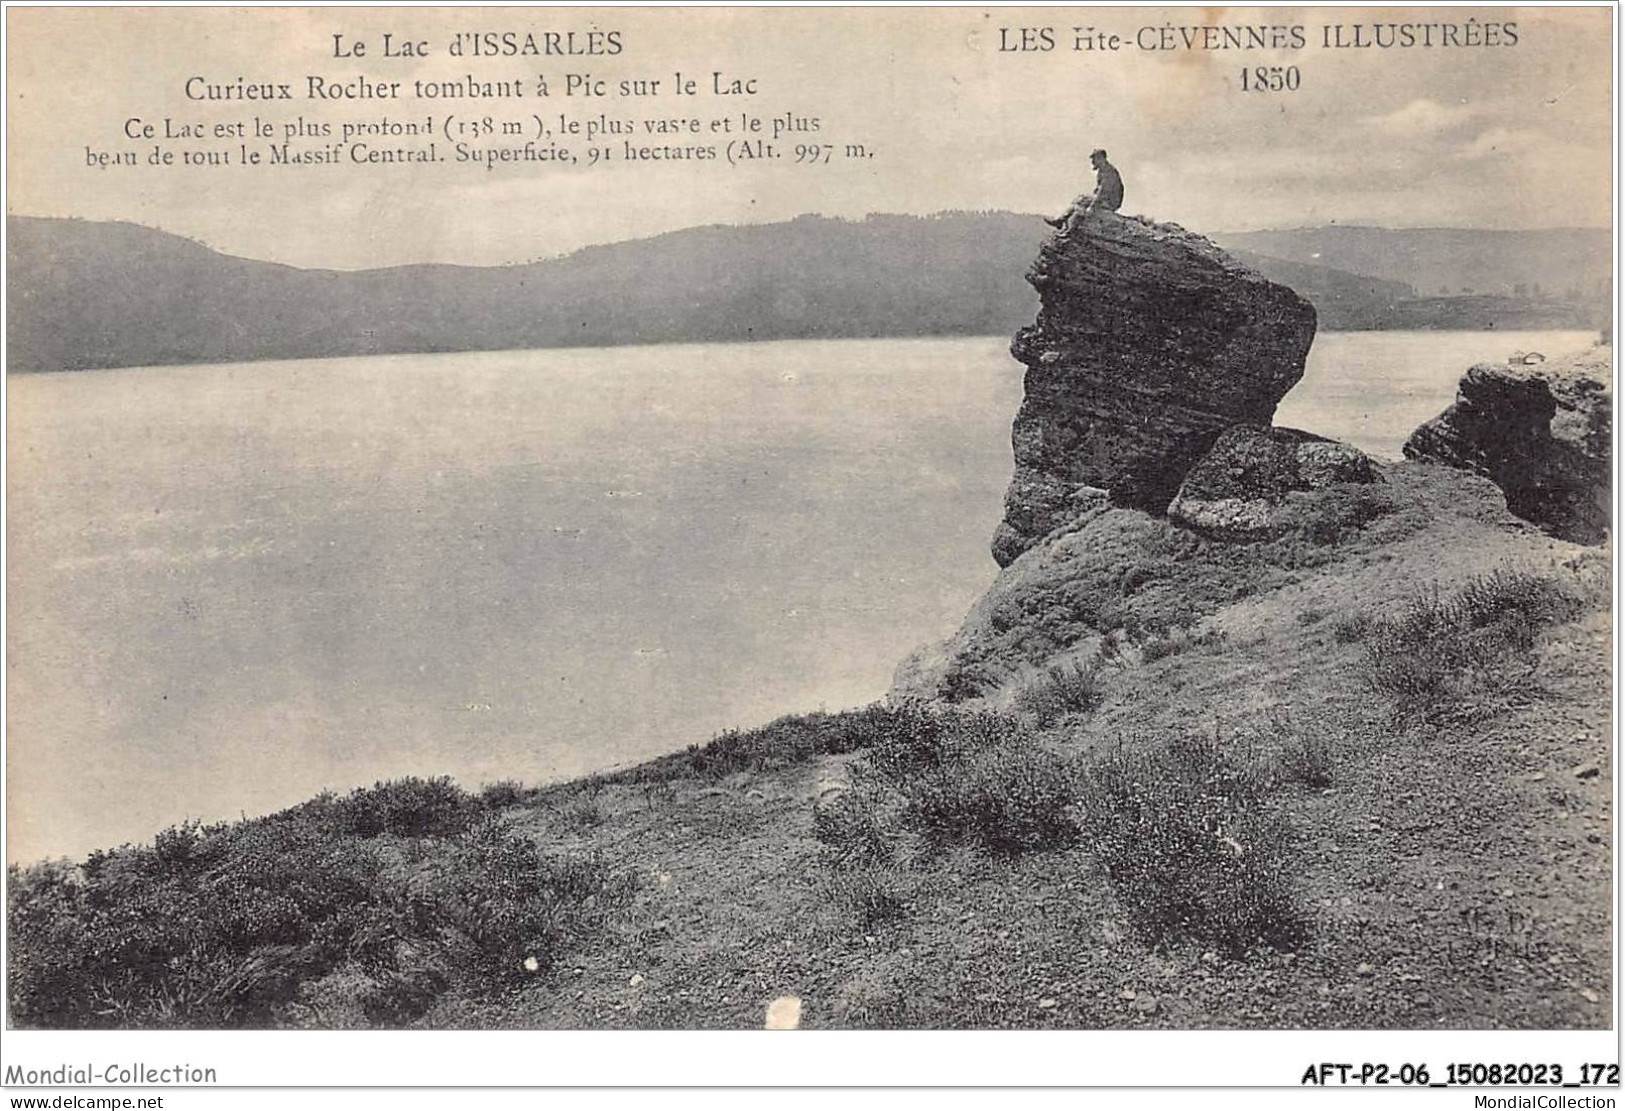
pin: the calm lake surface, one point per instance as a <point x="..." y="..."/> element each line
<point x="231" y="587"/>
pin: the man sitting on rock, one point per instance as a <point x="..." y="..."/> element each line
<point x="1107" y="197"/>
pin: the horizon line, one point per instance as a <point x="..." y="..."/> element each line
<point x="537" y="260"/>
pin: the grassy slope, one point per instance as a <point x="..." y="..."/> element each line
<point x="1455" y="872"/>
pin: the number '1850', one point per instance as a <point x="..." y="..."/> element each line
<point x="1271" y="79"/>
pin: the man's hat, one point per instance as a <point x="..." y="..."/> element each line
<point x="1098" y="152"/>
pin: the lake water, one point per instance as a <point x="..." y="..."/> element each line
<point x="231" y="587"/>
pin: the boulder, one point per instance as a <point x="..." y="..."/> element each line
<point x="1150" y="342"/>
<point x="1542" y="432"/>
<point x="1237" y="490"/>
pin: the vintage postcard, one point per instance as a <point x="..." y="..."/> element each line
<point x="931" y="518"/>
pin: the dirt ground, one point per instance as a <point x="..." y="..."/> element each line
<point x="1456" y="871"/>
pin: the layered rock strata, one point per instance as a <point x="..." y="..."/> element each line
<point x="1542" y="432"/>
<point x="1150" y="342"/>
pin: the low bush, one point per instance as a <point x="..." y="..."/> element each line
<point x="978" y="779"/>
<point x="409" y="807"/>
<point x="1010" y="799"/>
<point x="852" y="829"/>
<point x="1174" y="642"/>
<point x="1308" y="758"/>
<point x="924" y="739"/>
<point x="579" y="812"/>
<point x="504" y="911"/>
<point x="1062" y="689"/>
<point x="1351" y="628"/>
<point x="871" y="896"/>
<point x="502" y="794"/>
<point x="1179" y="832"/>
<point x="228" y="925"/>
<point x="1441" y="647"/>
<point x="792" y="740"/>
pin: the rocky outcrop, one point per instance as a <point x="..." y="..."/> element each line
<point x="1540" y="432"/>
<point x="1238" y="489"/>
<point x="1150" y="342"/>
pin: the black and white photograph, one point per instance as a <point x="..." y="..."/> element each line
<point x="865" y="519"/>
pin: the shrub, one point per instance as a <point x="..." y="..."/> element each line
<point x="962" y="682"/>
<point x="1065" y="688"/>
<point x="1009" y="799"/>
<point x="792" y="740"/>
<point x="922" y="740"/>
<point x="1173" y="642"/>
<point x="226" y="926"/>
<point x="978" y="779"/>
<point x="852" y="830"/>
<point x="1178" y="832"/>
<point x="1352" y="627"/>
<point x="1445" y="646"/>
<point x="870" y="895"/>
<point x="1308" y="758"/>
<point x="498" y="903"/>
<point x="502" y="794"/>
<point x="409" y="807"/>
<point x="579" y="812"/>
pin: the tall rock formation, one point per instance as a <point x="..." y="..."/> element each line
<point x="1540" y="432"/>
<point x="1150" y="342"/>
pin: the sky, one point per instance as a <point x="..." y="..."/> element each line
<point x="1483" y="136"/>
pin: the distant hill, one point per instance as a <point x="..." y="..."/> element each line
<point x="112" y="294"/>
<point x="1573" y="264"/>
<point x="85" y="294"/>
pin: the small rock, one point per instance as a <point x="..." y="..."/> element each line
<point x="636" y="981"/>
<point x="1046" y="1004"/>
<point x="1210" y="957"/>
<point x="532" y="964"/>
<point x="1537" y="777"/>
<point x="784" y="1013"/>
<point x="1146" y="1004"/>
<point x="1365" y="970"/>
<point x="1587" y="771"/>
<point x="1589" y="995"/>
<point x="1129" y="994"/>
